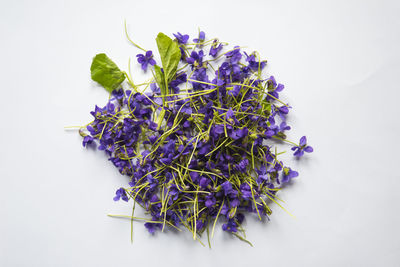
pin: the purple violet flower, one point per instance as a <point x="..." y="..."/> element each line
<point x="146" y="59"/>
<point x="214" y="50"/>
<point x="201" y="38"/>
<point x="87" y="140"/>
<point x="210" y="201"/>
<point x="118" y="94"/>
<point x="153" y="227"/>
<point x="182" y="38"/>
<point x="230" y="226"/>
<point x="288" y="174"/>
<point x="253" y="63"/>
<point x="195" y="58"/>
<point x="121" y="194"/>
<point x="234" y="55"/>
<point x="299" y="150"/>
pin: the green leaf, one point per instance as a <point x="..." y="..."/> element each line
<point x="160" y="79"/>
<point x="106" y="73"/>
<point x="170" y="55"/>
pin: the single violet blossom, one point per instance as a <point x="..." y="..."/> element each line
<point x="182" y="38"/>
<point x="201" y="38"/>
<point x="214" y="50"/>
<point x="288" y="174"/>
<point x="299" y="150"/>
<point x="87" y="140"/>
<point x="146" y="59"/>
<point x="121" y="194"/>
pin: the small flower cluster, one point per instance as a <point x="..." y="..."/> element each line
<point x="206" y="148"/>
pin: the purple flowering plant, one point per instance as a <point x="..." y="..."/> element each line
<point x="198" y="142"/>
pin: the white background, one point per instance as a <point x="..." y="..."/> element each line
<point x="339" y="61"/>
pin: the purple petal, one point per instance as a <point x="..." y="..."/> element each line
<point x="209" y="203"/>
<point x="293" y="174"/>
<point x="270" y="133"/>
<point x="303" y="141"/>
<point x="204" y="182"/>
<point x="190" y="60"/>
<point x="308" y="149"/>
<point x="284" y="110"/>
<point x="219" y="129"/>
<point x="299" y="153"/>
<point x="272" y="79"/>
<point x="152" y="61"/>
<point x="280" y="87"/>
<point x="202" y="35"/>
<point x="185" y="38"/>
<point x="235" y="202"/>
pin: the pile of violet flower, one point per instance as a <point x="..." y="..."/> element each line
<point x="198" y="141"/>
